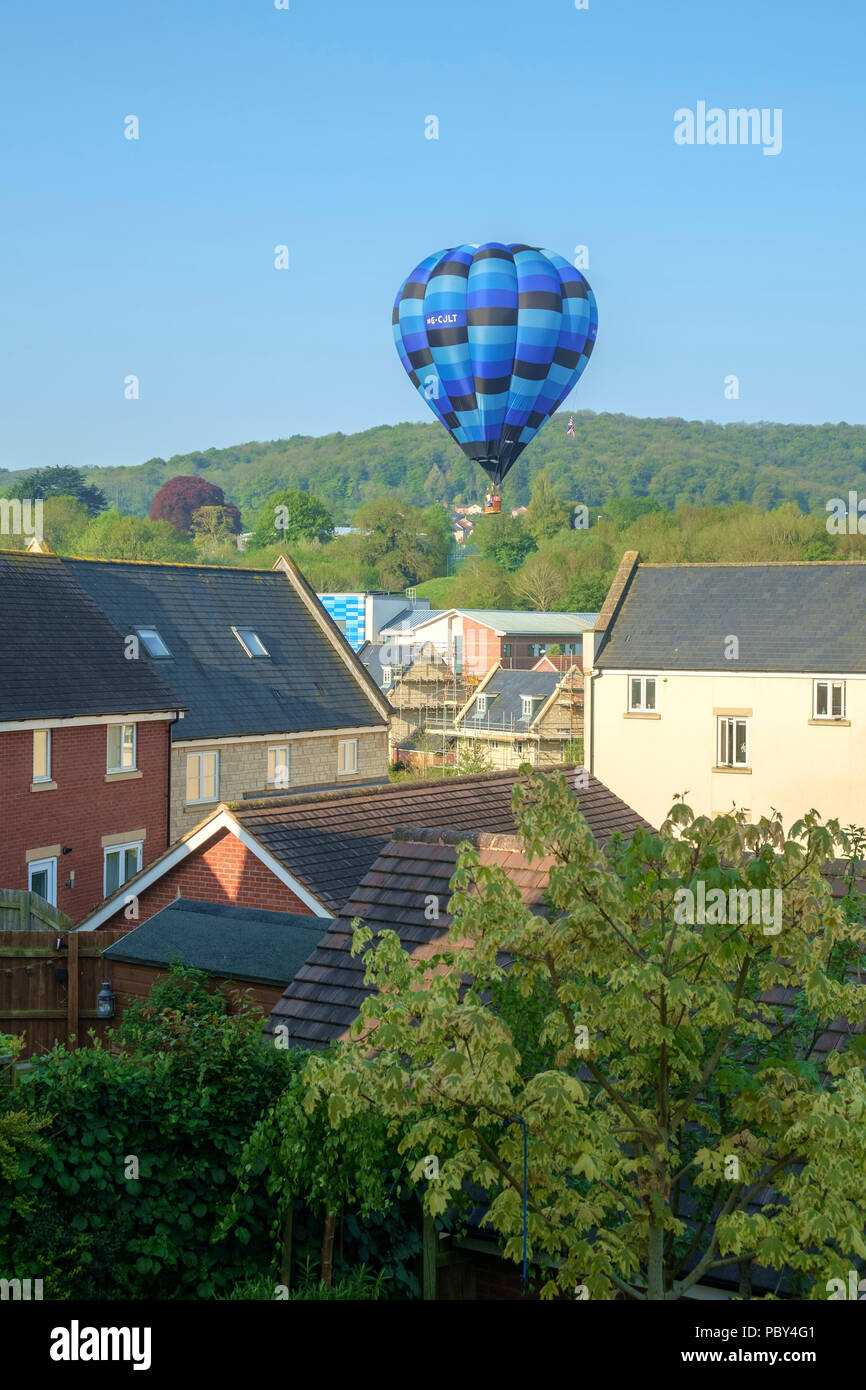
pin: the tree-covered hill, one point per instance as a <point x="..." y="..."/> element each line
<point x="673" y="461"/>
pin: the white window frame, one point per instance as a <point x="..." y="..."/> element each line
<point x="197" y="759"/>
<point x="122" y="766"/>
<point x="527" y="706"/>
<point x="46" y="775"/>
<point x="342" y="769"/>
<point x="830" y="686"/>
<point x="121" y="850"/>
<point x="726" y="730"/>
<point x="263" y="655"/>
<point x="642" y="707"/>
<point x="279" y="754"/>
<point x="494" y="743"/>
<point x="518" y="747"/>
<point x="481" y="704"/>
<point x="387" y="675"/>
<point x="36" y="866"/>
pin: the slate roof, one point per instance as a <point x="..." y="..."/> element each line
<point x="787" y="617"/>
<point x="61" y="657"/>
<point x="238" y="943"/>
<point x="303" y="686"/>
<point x="329" y="841"/>
<point x="411" y="618"/>
<point x="370" y="656"/>
<point x="324" y="998"/>
<point x="505" y="711"/>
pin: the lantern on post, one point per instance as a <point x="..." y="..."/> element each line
<point x="105" y="1001"/>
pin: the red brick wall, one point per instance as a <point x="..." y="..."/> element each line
<point x="223" y="871"/>
<point x="82" y="809"/>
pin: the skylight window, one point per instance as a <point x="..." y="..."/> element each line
<point x="251" y="643"/>
<point x="152" y="642"/>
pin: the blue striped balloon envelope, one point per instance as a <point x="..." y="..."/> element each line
<point x="494" y="337"/>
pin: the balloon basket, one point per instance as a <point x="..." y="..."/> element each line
<point x="493" y="506"/>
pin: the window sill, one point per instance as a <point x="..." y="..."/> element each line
<point x="192" y="805"/>
<point x="738" y="771"/>
<point x="641" y="714"/>
<point x="128" y="775"/>
<point x="845" y="723"/>
<point x="43" y="786"/>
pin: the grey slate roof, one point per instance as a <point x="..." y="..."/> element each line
<point x="60" y="657"/>
<point x="787" y="617"/>
<point x="238" y="943"/>
<point x="506" y="709"/>
<point x="304" y="685"/>
<point x="370" y="657"/>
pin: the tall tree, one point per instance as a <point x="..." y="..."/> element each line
<point x="58" y="482"/>
<point x="179" y="498"/>
<point x="679" y="1120"/>
<point x="292" y="515"/>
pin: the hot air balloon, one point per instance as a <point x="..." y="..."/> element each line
<point x="494" y="337"/>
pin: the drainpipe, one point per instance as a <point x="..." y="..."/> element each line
<point x="177" y="716"/>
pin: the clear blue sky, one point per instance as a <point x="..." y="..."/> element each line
<point x="305" y="127"/>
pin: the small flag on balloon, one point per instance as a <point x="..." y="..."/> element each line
<point x="570" y="430"/>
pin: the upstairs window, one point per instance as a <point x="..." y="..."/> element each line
<point x="42" y="755"/>
<point x="481" y="704"/>
<point x="641" y="694"/>
<point x="152" y="642"/>
<point x="829" y="700"/>
<point x="733" y="742"/>
<point x="279" y="765"/>
<point x="121" y="863"/>
<point x="387" y="675"/>
<point x="121" y="748"/>
<point x="251" y="643"/>
<point x="202" y="776"/>
<point x="347" y="756"/>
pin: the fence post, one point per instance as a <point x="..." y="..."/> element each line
<point x="72" y="987"/>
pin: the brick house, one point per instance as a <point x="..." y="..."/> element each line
<point x="473" y="639"/>
<point x="276" y="699"/>
<point x="84" y="742"/>
<point x="308" y="853"/>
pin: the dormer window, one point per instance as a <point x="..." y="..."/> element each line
<point x="527" y="701"/>
<point x="387" y="675"/>
<point x="251" y="643"/>
<point x="152" y="642"/>
<point x="481" y="704"/>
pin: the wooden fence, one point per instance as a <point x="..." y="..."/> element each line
<point x="23" y="911"/>
<point x="48" y="985"/>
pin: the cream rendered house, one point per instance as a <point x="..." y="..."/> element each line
<point x="737" y="684"/>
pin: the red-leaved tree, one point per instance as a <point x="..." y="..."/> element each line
<point x="180" y="497"/>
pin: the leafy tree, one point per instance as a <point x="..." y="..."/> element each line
<point x="479" y="583"/>
<point x="180" y="498"/>
<point x="664" y="1090"/>
<point x="503" y="539"/>
<point x="58" y="482"/>
<point x="547" y="514"/>
<point x="403" y="544"/>
<point x="111" y="536"/>
<point x="64" y="521"/>
<point x="290" y="516"/>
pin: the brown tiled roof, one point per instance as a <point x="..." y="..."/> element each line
<point x="326" y="994"/>
<point x="330" y="840"/>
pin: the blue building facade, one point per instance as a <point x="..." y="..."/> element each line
<point x="348" y="612"/>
